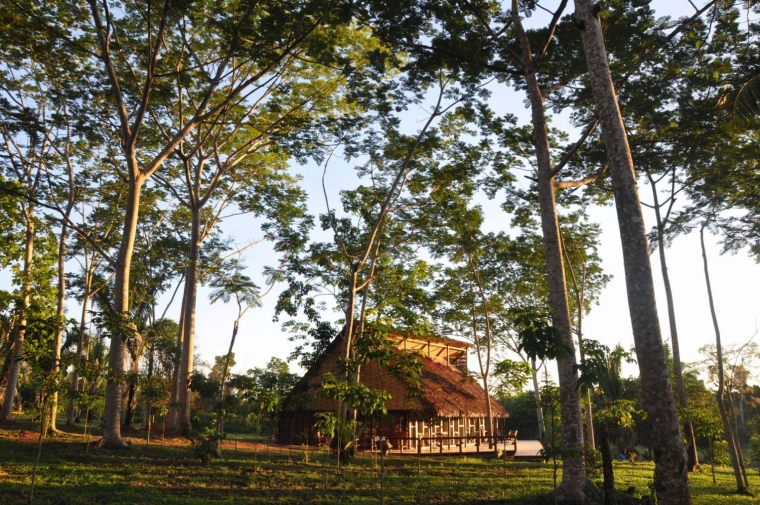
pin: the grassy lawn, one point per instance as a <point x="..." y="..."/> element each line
<point x="167" y="473"/>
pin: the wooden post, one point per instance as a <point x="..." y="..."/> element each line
<point x="477" y="442"/>
<point x="428" y="348"/>
<point x="448" y="361"/>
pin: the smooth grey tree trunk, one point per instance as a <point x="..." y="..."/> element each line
<point x="691" y="441"/>
<point x="728" y="432"/>
<point x="188" y="321"/>
<point x="116" y="355"/>
<point x="61" y="314"/>
<point x="26" y="293"/>
<point x="580" y="297"/>
<point x="72" y="408"/>
<point x="573" y="466"/>
<point x="671" y="477"/>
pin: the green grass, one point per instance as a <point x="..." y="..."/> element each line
<point x="168" y="474"/>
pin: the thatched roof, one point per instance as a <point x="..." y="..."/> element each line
<point x="446" y="391"/>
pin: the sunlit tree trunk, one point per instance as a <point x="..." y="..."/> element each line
<point x="671" y="478"/>
<point x="188" y="321"/>
<point x="691" y="441"/>
<point x="60" y="317"/>
<point x="26" y="293"/>
<point x="573" y="466"/>
<point x="116" y="355"/>
<point x="74" y="390"/>
<point x="728" y="432"/>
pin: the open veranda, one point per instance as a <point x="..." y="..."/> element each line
<point x="167" y="471"/>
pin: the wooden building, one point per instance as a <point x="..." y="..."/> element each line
<point x="450" y="410"/>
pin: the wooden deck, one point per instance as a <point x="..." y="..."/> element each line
<point x="442" y="445"/>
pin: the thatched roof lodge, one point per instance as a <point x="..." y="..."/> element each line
<point x="451" y="403"/>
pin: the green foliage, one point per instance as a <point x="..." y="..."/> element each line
<point x="538" y="338"/>
<point x="206" y="446"/>
<point x="720" y="453"/>
<point x="365" y="400"/>
<point x="512" y="375"/>
<point x="593" y="459"/>
<point x="207" y="387"/>
<point x="522" y="415"/>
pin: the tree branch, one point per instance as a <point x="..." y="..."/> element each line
<point x="581" y="182"/>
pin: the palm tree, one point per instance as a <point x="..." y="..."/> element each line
<point x="230" y="284"/>
<point x="601" y="368"/>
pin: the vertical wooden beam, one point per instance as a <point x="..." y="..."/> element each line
<point x="428" y="348"/>
<point x="448" y="362"/>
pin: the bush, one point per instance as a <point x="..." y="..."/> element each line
<point x="203" y="421"/>
<point x="720" y="453"/>
<point x="593" y="462"/>
<point x="206" y="446"/>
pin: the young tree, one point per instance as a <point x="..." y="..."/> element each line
<point x="229" y="283"/>
<point x="734" y="451"/>
<point x="601" y="367"/>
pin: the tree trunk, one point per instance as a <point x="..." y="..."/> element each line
<point x="589" y="413"/>
<point x="18" y="344"/>
<point x="112" y="412"/>
<point x="188" y="321"/>
<point x="573" y="466"/>
<point x="580" y="296"/>
<point x="607" y="469"/>
<point x="671" y="478"/>
<point x="735" y="434"/>
<point x="172" y="418"/>
<point x="489" y="413"/>
<point x="60" y="317"/>
<point x="740" y="487"/>
<point x="692" y="460"/>
<point x="539" y="409"/>
<point x="133" y="386"/>
<point x="225" y="371"/>
<point x="71" y="410"/>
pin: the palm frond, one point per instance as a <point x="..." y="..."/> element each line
<point x="747" y="101"/>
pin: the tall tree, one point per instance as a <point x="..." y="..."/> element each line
<point x="671" y="478"/>
<point x="237" y="160"/>
<point x="734" y="450"/>
<point x="160" y="45"/>
<point x="229" y="284"/>
<point x="33" y="100"/>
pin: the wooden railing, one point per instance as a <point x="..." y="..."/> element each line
<point x="442" y="443"/>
